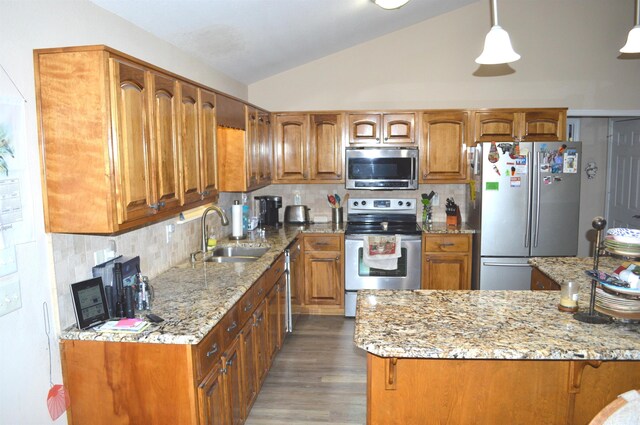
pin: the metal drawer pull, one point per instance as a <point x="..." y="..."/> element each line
<point x="260" y="291"/>
<point x="230" y="362"/>
<point x="443" y="245"/>
<point x="157" y="206"/>
<point x="232" y="326"/>
<point x="248" y="307"/>
<point x="214" y="349"/>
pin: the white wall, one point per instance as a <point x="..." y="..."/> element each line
<point x="26" y="25"/>
<point x="569" y="54"/>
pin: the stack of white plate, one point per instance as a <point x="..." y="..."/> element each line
<point x="619" y="302"/>
<point x="623" y="241"/>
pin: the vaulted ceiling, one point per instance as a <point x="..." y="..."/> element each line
<point x="250" y="40"/>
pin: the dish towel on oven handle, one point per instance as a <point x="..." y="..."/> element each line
<point x="381" y="252"/>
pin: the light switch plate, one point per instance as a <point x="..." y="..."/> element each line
<point x="10" y="298"/>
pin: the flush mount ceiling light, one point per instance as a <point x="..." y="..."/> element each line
<point x="633" y="39"/>
<point x="497" y="44"/>
<point x="390" y="4"/>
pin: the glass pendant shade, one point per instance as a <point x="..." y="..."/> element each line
<point x="633" y="41"/>
<point x="497" y="48"/>
<point x="390" y="4"/>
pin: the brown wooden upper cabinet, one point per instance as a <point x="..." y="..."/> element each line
<point x="244" y="146"/>
<point x="396" y="128"/>
<point x="131" y="152"/>
<point x="443" y="147"/>
<point x="309" y="148"/>
<point x="507" y="125"/>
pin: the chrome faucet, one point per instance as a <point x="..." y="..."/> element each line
<point x="223" y="217"/>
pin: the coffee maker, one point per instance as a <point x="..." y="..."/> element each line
<point x="268" y="207"/>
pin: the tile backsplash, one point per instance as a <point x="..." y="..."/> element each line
<point x="74" y="254"/>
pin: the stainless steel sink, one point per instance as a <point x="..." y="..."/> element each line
<point x="235" y="254"/>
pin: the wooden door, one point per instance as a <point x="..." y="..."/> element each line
<point x="249" y="364"/>
<point x="544" y="125"/>
<point x="131" y="118"/>
<point x="290" y="147"/>
<point x="253" y="148"/>
<point x="322" y="277"/>
<point x="297" y="277"/>
<point x="233" y="382"/>
<point x="446" y="271"/>
<point x="213" y="409"/>
<point x="164" y="141"/>
<point x="266" y="151"/>
<point x="208" y="173"/>
<point x="399" y="129"/>
<point x="495" y="126"/>
<point x="364" y="129"/>
<point x="189" y="144"/>
<point x="443" y="147"/>
<point x="325" y="148"/>
<point x="273" y="323"/>
<point x="261" y="336"/>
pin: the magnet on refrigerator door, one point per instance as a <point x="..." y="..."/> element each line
<point x="515" y="182"/>
<point x="570" y="162"/>
<point x="494" y="156"/>
<point x="547" y="180"/>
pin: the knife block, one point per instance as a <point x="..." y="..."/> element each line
<point x="454" y="220"/>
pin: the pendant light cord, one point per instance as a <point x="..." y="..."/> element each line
<point x="494" y="13"/>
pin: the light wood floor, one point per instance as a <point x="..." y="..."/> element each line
<point x="318" y="377"/>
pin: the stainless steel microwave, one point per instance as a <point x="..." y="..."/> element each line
<point x="382" y="168"/>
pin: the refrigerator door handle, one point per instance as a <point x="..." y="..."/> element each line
<point x="488" y="263"/>
<point x="527" y="225"/>
<point x="537" y="179"/>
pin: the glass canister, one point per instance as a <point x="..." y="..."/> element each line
<point x="569" y="296"/>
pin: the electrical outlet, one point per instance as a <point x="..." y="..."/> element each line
<point x="435" y="201"/>
<point x="10" y="298"/>
<point x="170" y="228"/>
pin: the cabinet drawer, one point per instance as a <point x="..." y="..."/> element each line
<point x="274" y="272"/>
<point x="247" y="304"/>
<point x="208" y="351"/>
<point x="447" y="243"/>
<point x="322" y="243"/>
<point x="230" y="324"/>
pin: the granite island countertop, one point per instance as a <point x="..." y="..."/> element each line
<point x="484" y="325"/>
<point x="193" y="298"/>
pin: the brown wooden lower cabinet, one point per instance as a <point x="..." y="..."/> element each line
<point x="212" y="398"/>
<point x="446" y="262"/>
<point x="213" y="382"/>
<point x="435" y="391"/>
<point x="541" y="282"/>
<point x="323" y="274"/>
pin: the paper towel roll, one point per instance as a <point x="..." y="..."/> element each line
<point x="236" y="220"/>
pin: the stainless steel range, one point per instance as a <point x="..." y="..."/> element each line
<point x="370" y="217"/>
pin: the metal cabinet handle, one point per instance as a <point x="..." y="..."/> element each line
<point x="157" y="206"/>
<point x="339" y="175"/>
<point x="338" y="258"/>
<point x="223" y="370"/>
<point x="248" y="307"/>
<point x="214" y="349"/>
<point x="386" y="138"/>
<point x="233" y="325"/>
<point x="424" y="175"/>
<point x="230" y="362"/>
<point x="377" y="139"/>
<point x="446" y="244"/>
<point x="260" y="291"/>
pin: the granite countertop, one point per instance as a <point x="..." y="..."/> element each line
<point x="193" y="298"/>
<point x="484" y="325"/>
<point x="441" y="227"/>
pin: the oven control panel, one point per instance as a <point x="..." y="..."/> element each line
<point x="381" y="206"/>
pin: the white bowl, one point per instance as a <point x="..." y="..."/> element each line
<point x="624" y="235"/>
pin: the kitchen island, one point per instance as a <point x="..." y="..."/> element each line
<point x="489" y="357"/>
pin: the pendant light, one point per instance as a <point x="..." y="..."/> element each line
<point x="633" y="39"/>
<point x="497" y="44"/>
<point x="390" y="4"/>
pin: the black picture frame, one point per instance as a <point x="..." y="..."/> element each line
<point x="89" y="303"/>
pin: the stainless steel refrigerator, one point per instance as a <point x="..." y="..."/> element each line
<point x="529" y="201"/>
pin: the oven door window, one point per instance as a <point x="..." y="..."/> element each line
<point x="366" y="271"/>
<point x="380" y="169"/>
